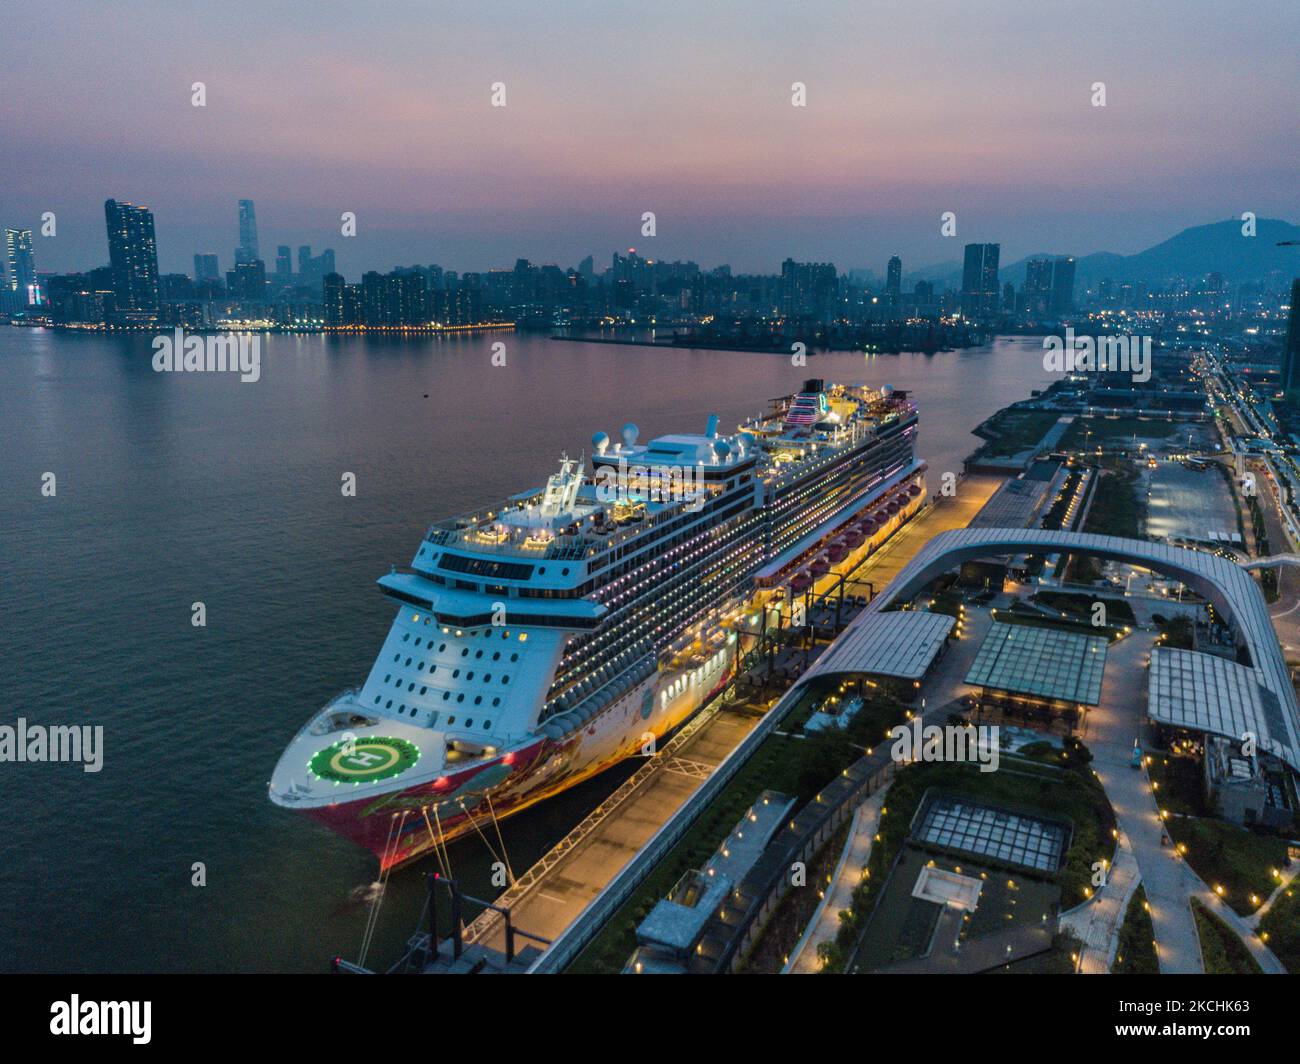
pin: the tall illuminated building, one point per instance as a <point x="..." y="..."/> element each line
<point x="133" y="259"/>
<point x="1063" y="286"/>
<point x="979" y="281"/>
<point x="21" y="263"/>
<point x="1291" y="352"/>
<point x="247" y="250"/>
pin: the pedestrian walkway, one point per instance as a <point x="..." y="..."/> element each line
<point x="1096" y="923"/>
<point x="825" y="923"/>
<point x="1264" y="956"/>
<point x="1112" y="727"/>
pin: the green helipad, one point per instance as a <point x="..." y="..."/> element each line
<point x="364" y="760"/>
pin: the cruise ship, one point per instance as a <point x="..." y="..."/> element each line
<point x="539" y="642"/>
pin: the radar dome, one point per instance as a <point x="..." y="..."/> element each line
<point x="629" y="434"/>
<point x="600" y="441"/>
<point x="722" y="448"/>
<point x="888" y="389"/>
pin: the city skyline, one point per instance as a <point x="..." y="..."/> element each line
<point x="684" y="126"/>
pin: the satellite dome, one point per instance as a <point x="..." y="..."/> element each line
<point x="888" y="389"/>
<point x="721" y="448"/>
<point x="629" y="434"/>
<point x="600" y="441"/>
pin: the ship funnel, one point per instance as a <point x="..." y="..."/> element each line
<point x="712" y="430"/>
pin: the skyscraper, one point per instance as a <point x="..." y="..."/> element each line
<point x="247" y="250"/>
<point x="1291" y="352"/>
<point x="1063" y="286"/>
<point x="283" y="262"/>
<point x="979" y="281"/>
<point x="247" y="281"/>
<point x="133" y="259"/>
<point x="1038" y="287"/>
<point x="206" y="268"/>
<point x="21" y="264"/>
<point x="894" y="276"/>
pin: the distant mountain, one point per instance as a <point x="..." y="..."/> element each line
<point x="1190" y="255"/>
<point x="941" y="273"/>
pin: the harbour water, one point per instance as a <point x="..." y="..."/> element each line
<point x="179" y="488"/>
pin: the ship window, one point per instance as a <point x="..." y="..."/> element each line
<point x="514" y="657"/>
<point x="397" y="657"/>
<point x="424" y="690"/>
<point x="505" y="679"/>
<point x="418" y="642"/>
<point x="469" y="675"/>
<point x="420" y="666"/>
<point x="446" y="695"/>
<point x="376" y="699"/>
<point x="408" y="661"/>
<point x="464" y="652"/>
<point x="442" y="648"/>
<point x="496" y="656"/>
<point x="388" y="677"/>
<point x="451" y="720"/>
<point x="410" y="686"/>
<point x="478" y="654"/>
<point x="496" y="701"/>
<point x="478" y="700"/>
<point x="487" y="678"/>
<point x="388" y="704"/>
<point x="460" y="698"/>
<point x="406" y="638"/>
<point x="401" y="708"/>
<point x="487" y="724"/>
<point x="455" y="674"/>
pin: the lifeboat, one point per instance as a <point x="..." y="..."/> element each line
<point x="854" y="537"/>
<point x="837" y="552"/>
<point x="914" y="490"/>
<point x="800" y="582"/>
<point x="893" y="507"/>
<point x="820" y="566"/>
